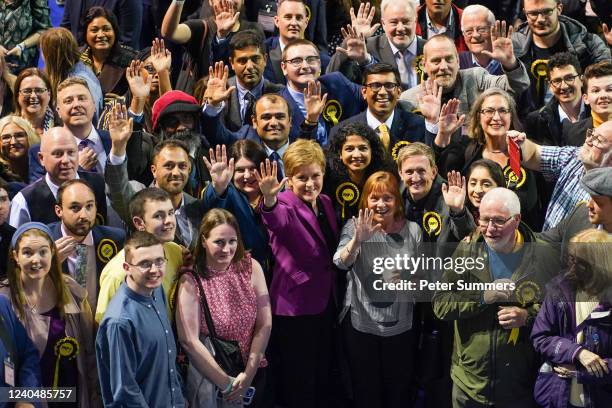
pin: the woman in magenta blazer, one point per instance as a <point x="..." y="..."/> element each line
<point x="303" y="236"/>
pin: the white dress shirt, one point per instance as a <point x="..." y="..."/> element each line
<point x="409" y="79"/>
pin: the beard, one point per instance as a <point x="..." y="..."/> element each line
<point x="191" y="138"/>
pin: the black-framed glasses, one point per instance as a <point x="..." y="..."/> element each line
<point x="482" y="30"/>
<point x="6" y="137"/>
<point x="490" y="112"/>
<point x="377" y="86"/>
<point x="298" y="61"/>
<point x="595" y="139"/>
<point x="568" y="79"/>
<point x="533" y="14"/>
<point x="30" y="91"/>
<point x="497" y="222"/>
<point x="146" y="266"/>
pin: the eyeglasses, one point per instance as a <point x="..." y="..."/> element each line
<point x="6" y="137"/>
<point x="298" y="61"/>
<point x="377" y="86"/>
<point x="595" y="139"/>
<point x="490" y="112"/>
<point x="533" y="14"/>
<point x="145" y="266"/>
<point x="482" y="30"/>
<point x="569" y="80"/>
<point x="29" y="91"/>
<point x="496" y="222"/>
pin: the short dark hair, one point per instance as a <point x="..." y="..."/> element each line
<point x="597" y="70"/>
<point x="248" y="149"/>
<point x="246" y="38"/>
<point x="139" y="239"/>
<point x="95" y="12"/>
<point x="171" y="144"/>
<point x="381" y="68"/>
<point x="274" y="98"/>
<point x="137" y="203"/>
<point x="297" y="42"/>
<point x="563" y="59"/>
<point x="65" y="185"/>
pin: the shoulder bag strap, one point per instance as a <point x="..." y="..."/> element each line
<point x="204" y="307"/>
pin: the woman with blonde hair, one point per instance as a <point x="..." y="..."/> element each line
<point x="16" y="138"/>
<point x="62" y="60"/>
<point x="573" y="330"/>
<point x="53" y="308"/>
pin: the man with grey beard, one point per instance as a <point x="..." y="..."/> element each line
<point x="566" y="165"/>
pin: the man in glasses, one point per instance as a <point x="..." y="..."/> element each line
<point x="135" y="338"/>
<point x="476" y="24"/>
<point x="381" y="90"/>
<point x="494" y="360"/>
<point x="545" y="125"/>
<point x="545" y="33"/>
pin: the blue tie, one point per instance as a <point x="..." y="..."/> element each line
<point x="276" y="157"/>
<point x="87" y="143"/>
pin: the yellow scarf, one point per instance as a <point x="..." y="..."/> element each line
<point x="597" y="120"/>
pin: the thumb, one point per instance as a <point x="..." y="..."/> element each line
<point x="444" y="188"/>
<point x="342" y="50"/>
<point x="374" y="28"/>
<point x="487" y="53"/>
<point x="461" y="121"/>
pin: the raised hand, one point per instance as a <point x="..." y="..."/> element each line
<point x="65" y="247"/>
<point x="226" y="16"/>
<point x="221" y="171"/>
<point x="455" y="191"/>
<point x="501" y="40"/>
<point x="364" y="226"/>
<point x="518" y="137"/>
<point x="449" y="120"/>
<point x="362" y="22"/>
<point x="120" y="128"/>
<point x="140" y="85"/>
<point x="268" y="182"/>
<point x="430" y="100"/>
<point x="607" y="34"/>
<point x="314" y="101"/>
<point x="355" y="45"/>
<point x="160" y="58"/>
<point x="216" y="88"/>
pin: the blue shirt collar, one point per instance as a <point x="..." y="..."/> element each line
<point x="256" y="92"/>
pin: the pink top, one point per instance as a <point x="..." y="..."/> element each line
<point x="232" y="303"/>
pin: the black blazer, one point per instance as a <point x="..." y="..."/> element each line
<point x="543" y="126"/>
<point x="6" y="234"/>
<point x="575" y="133"/>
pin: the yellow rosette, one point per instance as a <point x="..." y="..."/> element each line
<point x="514" y="181"/>
<point x="347" y="194"/>
<point x="538" y="70"/>
<point x="419" y="68"/>
<point x="67" y="348"/>
<point x="432" y="223"/>
<point x="332" y="111"/>
<point x="397" y="147"/>
<point x="106" y="250"/>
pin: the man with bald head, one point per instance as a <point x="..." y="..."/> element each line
<point x="476" y="24"/>
<point x="59" y="156"/>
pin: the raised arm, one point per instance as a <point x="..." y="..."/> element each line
<point x="171" y="28"/>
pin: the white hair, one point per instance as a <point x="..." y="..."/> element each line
<point x="408" y="3"/>
<point x="504" y="197"/>
<point x="477" y="9"/>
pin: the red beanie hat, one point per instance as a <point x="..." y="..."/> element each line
<point x="172" y="102"/>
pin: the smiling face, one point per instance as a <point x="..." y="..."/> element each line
<point x="498" y="125"/>
<point x="244" y="177"/>
<point x="5" y="205"/>
<point x="599" y="96"/>
<point x="472" y="24"/>
<point x="478" y="184"/>
<point x="14" y="142"/>
<point x="384" y="204"/>
<point x="499" y="238"/>
<point x="600" y="210"/>
<point x="418" y="175"/>
<point x="220" y="246"/>
<point x="142" y="270"/>
<point x="596" y="148"/>
<point x="291" y="20"/>
<point x="356" y="154"/>
<point x="78" y="209"/>
<point x="543" y="25"/>
<point x="159" y="219"/>
<point x="75" y="106"/>
<point x="34" y="255"/>
<point x="171" y="169"/>
<point x="564" y="92"/>
<point x="382" y="102"/>
<point x="272" y="121"/>
<point x="59" y="155"/>
<point x="399" y="23"/>
<point x="299" y="75"/>
<point x="441" y="62"/>
<point x="307" y="182"/>
<point x="441" y="7"/>
<point x="249" y="64"/>
<point x="100" y="34"/>
<point x="30" y="101"/>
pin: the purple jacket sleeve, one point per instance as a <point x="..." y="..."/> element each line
<point x="547" y="339"/>
<point x="277" y="217"/>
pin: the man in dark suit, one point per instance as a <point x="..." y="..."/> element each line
<point x="83" y="247"/>
<point x="398" y="46"/>
<point x="302" y="65"/>
<point x="248" y="60"/>
<point x="291" y="20"/>
<point x="396" y="127"/>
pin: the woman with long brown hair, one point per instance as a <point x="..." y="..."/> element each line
<point x="33" y="99"/>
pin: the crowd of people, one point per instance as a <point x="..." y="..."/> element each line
<point x="194" y="194"/>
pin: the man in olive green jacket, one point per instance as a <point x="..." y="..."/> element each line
<point x="493" y="360"/>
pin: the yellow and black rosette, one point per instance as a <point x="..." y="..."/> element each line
<point x="332" y="111"/>
<point x="347" y="195"/>
<point x="419" y="67"/>
<point x="432" y="223"/>
<point x="538" y="70"/>
<point x="528" y="292"/>
<point x="397" y="147"/>
<point x="106" y="250"/>
<point x="514" y="181"/>
<point x="66" y="348"/>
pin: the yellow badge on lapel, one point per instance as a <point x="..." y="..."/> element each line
<point x="432" y="223"/>
<point x="538" y="70"/>
<point x="528" y="292"/>
<point x="514" y="181"/>
<point x="332" y="111"/>
<point x="397" y="147"/>
<point x="419" y="68"/>
<point x="106" y="250"/>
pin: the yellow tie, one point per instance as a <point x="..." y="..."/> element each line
<point x="384" y="136"/>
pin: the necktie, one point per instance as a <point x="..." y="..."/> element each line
<point x="276" y="157"/>
<point x="385" y="138"/>
<point x="87" y="143"/>
<point x="249" y="100"/>
<point x="80" y="269"/>
<point x="403" y="68"/>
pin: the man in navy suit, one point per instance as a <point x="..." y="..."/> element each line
<point x="291" y="20"/>
<point x="302" y="65"/>
<point x="83" y="248"/>
<point x="396" y="127"/>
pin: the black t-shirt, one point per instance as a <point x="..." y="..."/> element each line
<point x="537" y="70"/>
